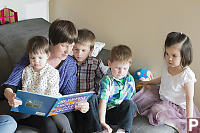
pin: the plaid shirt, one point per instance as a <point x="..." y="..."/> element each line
<point x="89" y="74"/>
<point x="115" y="91"/>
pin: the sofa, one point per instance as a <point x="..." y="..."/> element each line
<point x="13" y="39"/>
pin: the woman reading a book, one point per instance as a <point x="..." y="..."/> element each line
<point x="62" y="35"/>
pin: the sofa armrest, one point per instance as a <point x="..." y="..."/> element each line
<point x="13" y="40"/>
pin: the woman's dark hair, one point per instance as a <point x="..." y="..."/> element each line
<point x="61" y="31"/>
<point x="174" y="38"/>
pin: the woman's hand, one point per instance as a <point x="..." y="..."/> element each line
<point x="82" y="106"/>
<point x="12" y="100"/>
<point x="107" y="127"/>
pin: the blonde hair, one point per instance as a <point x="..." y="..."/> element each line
<point x="121" y="53"/>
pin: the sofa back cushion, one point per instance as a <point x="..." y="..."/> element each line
<point x="13" y="40"/>
<point x="104" y="55"/>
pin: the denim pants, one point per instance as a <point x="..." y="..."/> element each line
<point x="7" y="124"/>
<point x="122" y="115"/>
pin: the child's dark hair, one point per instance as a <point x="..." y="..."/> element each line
<point x="121" y="53"/>
<point x="174" y="38"/>
<point x="61" y="31"/>
<point x="37" y="44"/>
<point x="85" y="35"/>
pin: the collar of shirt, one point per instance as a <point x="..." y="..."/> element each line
<point x="42" y="70"/>
<point x="87" y="61"/>
<point x="118" y="80"/>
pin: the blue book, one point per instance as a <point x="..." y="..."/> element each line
<point x="43" y="105"/>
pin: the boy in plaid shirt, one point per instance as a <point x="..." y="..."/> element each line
<point x="90" y="69"/>
<point x="116" y="90"/>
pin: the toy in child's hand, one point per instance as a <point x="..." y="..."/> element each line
<point x="142" y="75"/>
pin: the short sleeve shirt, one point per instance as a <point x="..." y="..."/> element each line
<point x="115" y="91"/>
<point x="172" y="86"/>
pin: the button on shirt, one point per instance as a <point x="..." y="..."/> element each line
<point x="115" y="91"/>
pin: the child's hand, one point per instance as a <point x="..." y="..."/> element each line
<point x="107" y="127"/>
<point x="82" y="106"/>
<point x="141" y="85"/>
<point x="135" y="114"/>
<point x="145" y="84"/>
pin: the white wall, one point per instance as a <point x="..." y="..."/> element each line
<point x="28" y="9"/>
<point x="140" y="24"/>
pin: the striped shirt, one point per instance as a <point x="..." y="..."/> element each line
<point x="89" y="74"/>
<point x="115" y="91"/>
<point x="67" y="71"/>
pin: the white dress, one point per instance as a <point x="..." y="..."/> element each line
<point x="166" y="105"/>
<point x="172" y="86"/>
<point x="45" y="82"/>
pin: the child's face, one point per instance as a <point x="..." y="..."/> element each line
<point x="173" y="55"/>
<point x="119" y="69"/>
<point x="38" y="61"/>
<point x="82" y="51"/>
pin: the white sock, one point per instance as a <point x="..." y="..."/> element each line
<point x="120" y="130"/>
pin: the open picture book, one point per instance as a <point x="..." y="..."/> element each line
<point x="43" y="105"/>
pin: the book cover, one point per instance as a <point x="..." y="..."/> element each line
<point x="43" y="105"/>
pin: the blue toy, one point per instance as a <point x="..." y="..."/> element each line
<point x="143" y="75"/>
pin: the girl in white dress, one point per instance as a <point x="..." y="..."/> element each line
<point x="40" y="77"/>
<point x="174" y="101"/>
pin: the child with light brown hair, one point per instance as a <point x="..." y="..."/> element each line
<point x="40" y="77"/>
<point x="90" y="69"/>
<point x="116" y="91"/>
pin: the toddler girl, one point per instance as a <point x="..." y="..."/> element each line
<point x="40" y="77"/>
<point x="175" y="99"/>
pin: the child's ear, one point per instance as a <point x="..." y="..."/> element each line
<point x="50" y="42"/>
<point x="91" y="50"/>
<point x="109" y="63"/>
<point x="48" y="54"/>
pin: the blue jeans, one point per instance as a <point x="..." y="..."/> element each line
<point x="7" y="124"/>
